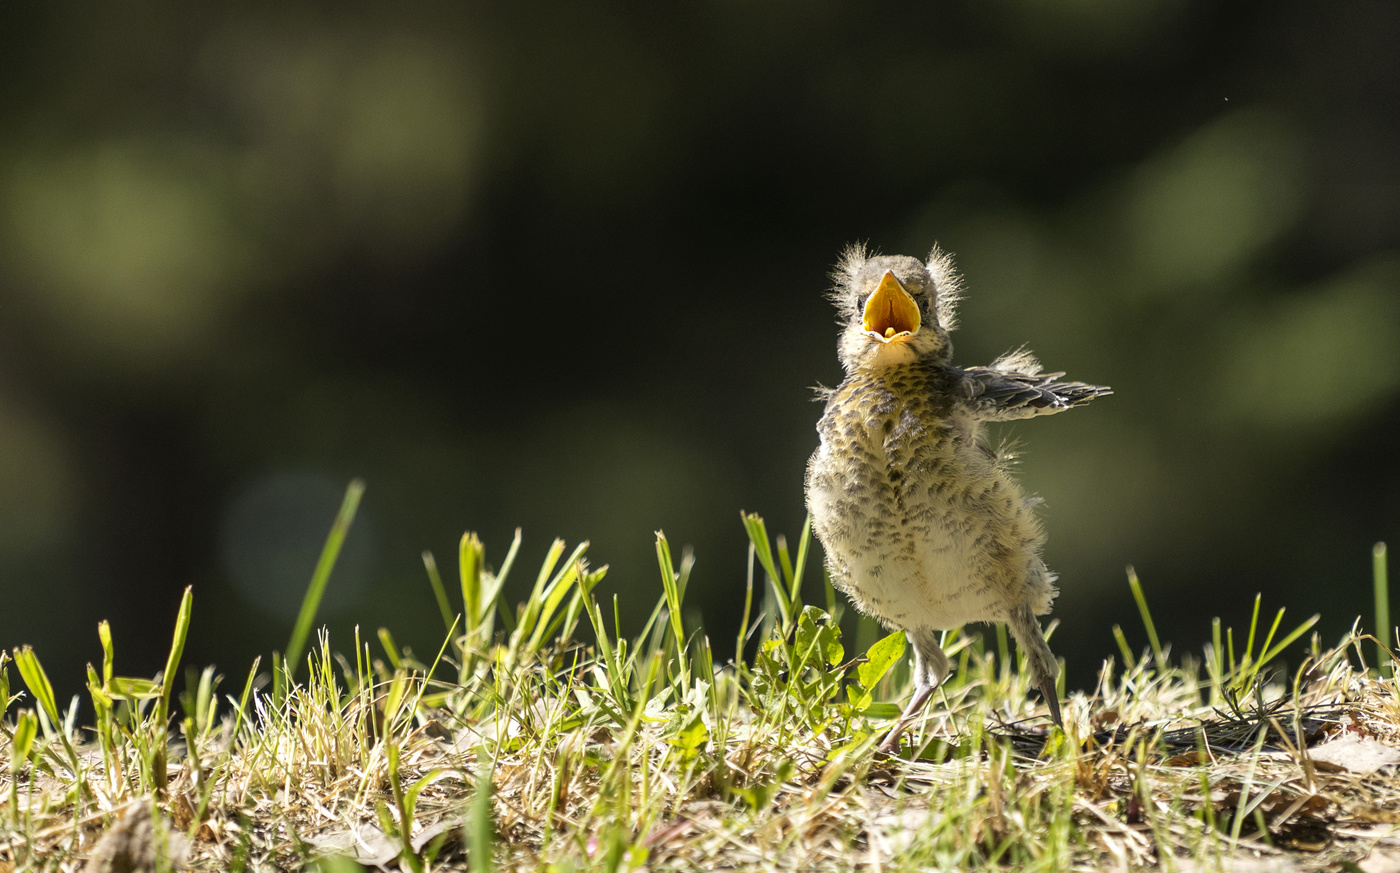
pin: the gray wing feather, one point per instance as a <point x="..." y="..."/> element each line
<point x="993" y="394"/>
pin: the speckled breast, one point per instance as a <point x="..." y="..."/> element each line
<point x="920" y="527"/>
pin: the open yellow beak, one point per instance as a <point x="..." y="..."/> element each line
<point x="891" y="315"/>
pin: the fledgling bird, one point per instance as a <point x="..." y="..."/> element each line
<point x="923" y="526"/>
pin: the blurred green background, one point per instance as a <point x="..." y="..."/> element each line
<point x="560" y="266"/>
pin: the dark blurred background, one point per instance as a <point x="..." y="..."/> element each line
<point x="560" y="266"/>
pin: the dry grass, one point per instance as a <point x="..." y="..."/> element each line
<point x="523" y="747"/>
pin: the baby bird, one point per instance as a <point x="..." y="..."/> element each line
<point x="923" y="526"/>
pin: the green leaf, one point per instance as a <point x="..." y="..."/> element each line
<point x="690" y="738"/>
<point x="882" y="656"/>
<point x="883" y="710"/>
<point x="878" y="661"/>
<point x="807" y="629"/>
<point x="817" y="635"/>
<point x="829" y="638"/>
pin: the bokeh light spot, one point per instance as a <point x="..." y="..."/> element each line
<point x="129" y="247"/>
<point x="1203" y="209"/>
<point x="271" y="535"/>
<point x="1329" y="355"/>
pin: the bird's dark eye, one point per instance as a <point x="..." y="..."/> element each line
<point x="860" y="302"/>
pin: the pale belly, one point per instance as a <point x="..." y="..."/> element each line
<point x="909" y="571"/>
<point x="945" y="541"/>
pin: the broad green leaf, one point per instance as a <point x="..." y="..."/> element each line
<point x="883" y="710"/>
<point x="882" y="655"/>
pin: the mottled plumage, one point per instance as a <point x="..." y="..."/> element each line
<point x="923" y="526"/>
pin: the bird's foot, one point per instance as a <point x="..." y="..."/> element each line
<point x="906" y="718"/>
<point x="891" y="741"/>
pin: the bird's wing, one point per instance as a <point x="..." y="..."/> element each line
<point x="994" y="394"/>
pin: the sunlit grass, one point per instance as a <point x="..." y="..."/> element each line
<point x="541" y="737"/>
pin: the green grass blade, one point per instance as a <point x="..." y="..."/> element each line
<point x="4" y="683"/>
<point x="492" y="586"/>
<point x="439" y="592"/>
<point x="37" y="681"/>
<point x="177" y="649"/>
<point x="673" y="594"/>
<point x="763" y="550"/>
<point x="744" y="620"/>
<point x="542" y="613"/>
<point x="391" y="648"/>
<point x="1288" y="640"/>
<point x="1136" y="585"/>
<point x="22" y="742"/>
<point x="470" y="555"/>
<point x="1253" y="626"/>
<point x="1123" y="647"/>
<point x="301" y="631"/>
<point x="481" y="827"/>
<point x="804" y="548"/>
<point x="109" y="658"/>
<point x="243" y="699"/>
<point x="160" y="721"/>
<point x="1385" y="632"/>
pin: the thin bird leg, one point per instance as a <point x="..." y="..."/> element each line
<point x="1039" y="658"/>
<point x="911" y="712"/>
<point x="1047" y="689"/>
<point x="930" y="668"/>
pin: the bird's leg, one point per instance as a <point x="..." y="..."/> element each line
<point x="930" y="668"/>
<point x="1039" y="658"/>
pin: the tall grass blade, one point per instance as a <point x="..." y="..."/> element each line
<point x="4" y="683"/>
<point x="1136" y="585"/>
<point x="21" y="743"/>
<point x="1287" y="641"/>
<point x="301" y="631"/>
<point x="177" y="649"/>
<point x="481" y="829"/>
<point x="673" y="587"/>
<point x="160" y="722"/>
<point x="439" y="592"/>
<point x="763" y="550"/>
<point x="1385" y="631"/>
<point x="470" y="557"/>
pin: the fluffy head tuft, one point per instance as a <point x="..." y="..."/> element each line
<point x="949" y="285"/>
